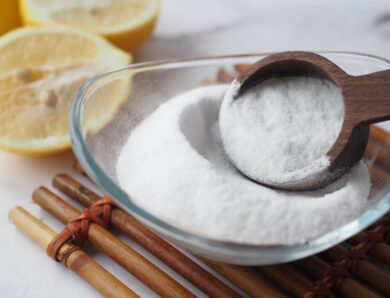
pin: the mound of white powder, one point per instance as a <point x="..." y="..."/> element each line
<point x="280" y="130"/>
<point x="174" y="166"/>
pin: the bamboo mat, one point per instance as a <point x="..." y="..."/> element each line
<point x="358" y="267"/>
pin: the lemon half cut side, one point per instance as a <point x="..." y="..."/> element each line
<point x="41" y="68"/>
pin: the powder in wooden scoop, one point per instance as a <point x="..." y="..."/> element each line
<point x="280" y="130"/>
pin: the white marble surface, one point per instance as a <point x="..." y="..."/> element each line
<point x="186" y="28"/>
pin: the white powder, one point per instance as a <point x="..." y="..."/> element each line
<point x="174" y="166"/>
<point x="280" y="130"/>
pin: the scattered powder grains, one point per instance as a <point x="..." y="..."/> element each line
<point x="174" y="166"/>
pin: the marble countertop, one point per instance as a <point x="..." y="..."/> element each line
<point x="186" y="28"/>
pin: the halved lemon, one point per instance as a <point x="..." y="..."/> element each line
<point x="126" y="23"/>
<point x="40" y="70"/>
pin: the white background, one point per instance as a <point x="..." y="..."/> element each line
<point x="186" y="28"/>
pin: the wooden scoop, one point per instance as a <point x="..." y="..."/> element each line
<point x="366" y="100"/>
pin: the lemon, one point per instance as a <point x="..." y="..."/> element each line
<point x="9" y="15"/>
<point x="126" y="23"/>
<point x="40" y="70"/>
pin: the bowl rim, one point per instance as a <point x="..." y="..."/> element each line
<point x="97" y="174"/>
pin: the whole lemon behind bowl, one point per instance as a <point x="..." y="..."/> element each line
<point x="9" y="15"/>
<point x="126" y="23"/>
<point x="40" y="70"/>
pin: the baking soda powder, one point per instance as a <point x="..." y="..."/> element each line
<point x="174" y="166"/>
<point x="280" y="130"/>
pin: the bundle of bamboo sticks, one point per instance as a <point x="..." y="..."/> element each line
<point x="294" y="279"/>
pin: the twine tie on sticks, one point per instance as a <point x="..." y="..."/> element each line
<point x="371" y="238"/>
<point x="349" y="263"/>
<point x="335" y="277"/>
<point x="319" y="291"/>
<point x="331" y="280"/>
<point x="77" y="228"/>
<point x="351" y="259"/>
<point x="100" y="212"/>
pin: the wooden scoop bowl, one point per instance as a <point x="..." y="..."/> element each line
<point x="366" y="100"/>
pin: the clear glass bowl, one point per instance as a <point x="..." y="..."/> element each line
<point x="102" y="118"/>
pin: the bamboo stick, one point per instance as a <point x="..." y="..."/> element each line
<point x="379" y="154"/>
<point x="209" y="81"/>
<point x="224" y="77"/>
<point x="125" y="256"/>
<point x="287" y="278"/>
<point x="168" y="254"/>
<point x="378" y="149"/>
<point x="366" y="271"/>
<point x="240" y="68"/>
<point x="250" y="282"/>
<point x="380" y="250"/>
<point x="76" y="260"/>
<point x="379" y="176"/>
<point x="379" y="135"/>
<point x="348" y="288"/>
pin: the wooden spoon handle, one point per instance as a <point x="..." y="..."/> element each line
<point x="369" y="97"/>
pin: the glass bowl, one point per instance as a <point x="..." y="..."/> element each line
<point x="109" y="106"/>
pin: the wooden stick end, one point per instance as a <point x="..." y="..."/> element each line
<point x="15" y="214"/>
